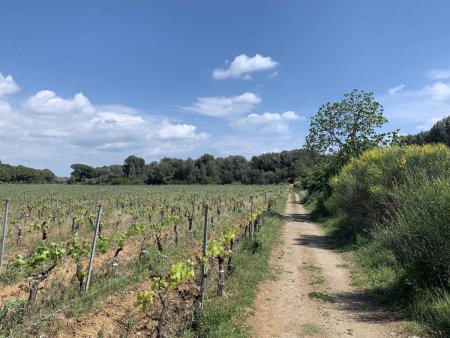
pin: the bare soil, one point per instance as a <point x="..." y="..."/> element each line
<point x="312" y="294"/>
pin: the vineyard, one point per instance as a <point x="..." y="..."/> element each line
<point x="136" y="260"/>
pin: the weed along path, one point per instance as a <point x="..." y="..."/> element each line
<point x="312" y="293"/>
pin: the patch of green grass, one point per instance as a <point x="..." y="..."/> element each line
<point x="310" y="267"/>
<point x="414" y="329"/>
<point x="318" y="279"/>
<point x="310" y="329"/>
<point x="322" y="296"/>
<point x="433" y="306"/>
<point x="226" y="316"/>
<point x="343" y="266"/>
<point x="314" y="269"/>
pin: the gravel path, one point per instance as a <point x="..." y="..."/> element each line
<point x="312" y="294"/>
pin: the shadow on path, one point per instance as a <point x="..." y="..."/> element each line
<point x="364" y="307"/>
<point x="359" y="304"/>
<point x="315" y="241"/>
<point x="304" y="218"/>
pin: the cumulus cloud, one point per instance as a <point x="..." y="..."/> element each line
<point x="439" y="91"/>
<point x="7" y="85"/>
<point x="270" y="117"/>
<point x="47" y="128"/>
<point x="47" y="102"/>
<point x="396" y="89"/>
<point x="242" y="65"/>
<point x="439" y="74"/>
<point x="114" y="119"/>
<point x="180" y="131"/>
<point x="224" y="106"/>
<point x="270" y="122"/>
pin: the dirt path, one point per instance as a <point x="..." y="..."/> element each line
<point x="306" y="263"/>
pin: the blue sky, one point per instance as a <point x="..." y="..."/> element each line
<point x="95" y="81"/>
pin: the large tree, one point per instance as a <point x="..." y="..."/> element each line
<point x="348" y="127"/>
<point x="133" y="166"/>
<point x="82" y="172"/>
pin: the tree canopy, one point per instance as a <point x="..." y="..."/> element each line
<point x="266" y="168"/>
<point x="22" y="174"/>
<point x="348" y="127"/>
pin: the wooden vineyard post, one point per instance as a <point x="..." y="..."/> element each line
<point x="5" y="221"/>
<point x="199" y="305"/>
<point x="94" y="243"/>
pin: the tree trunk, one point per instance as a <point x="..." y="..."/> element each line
<point x="74" y="226"/>
<point x="158" y="242"/>
<point x="221" y="282"/>
<point x="44" y="230"/>
<point x="115" y="262"/>
<point x="144" y="249"/>
<point x="175" y="230"/>
<point x="80" y="277"/>
<point x="230" y="262"/>
<point x="19" y="235"/>
<point x="198" y="303"/>
<point x="162" y="316"/>
<point x="34" y="287"/>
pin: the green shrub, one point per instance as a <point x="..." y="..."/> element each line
<point x="400" y="196"/>
<point x="362" y="189"/>
<point x="433" y="307"/>
<point x="419" y="235"/>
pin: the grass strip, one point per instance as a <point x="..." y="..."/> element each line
<point x="227" y="316"/>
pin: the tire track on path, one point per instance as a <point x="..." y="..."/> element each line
<point x="305" y="262"/>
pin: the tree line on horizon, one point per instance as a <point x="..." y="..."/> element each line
<point x="269" y="168"/>
<point x="285" y="166"/>
<point x="22" y="174"/>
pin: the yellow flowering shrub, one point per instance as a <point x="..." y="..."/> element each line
<point x="362" y="190"/>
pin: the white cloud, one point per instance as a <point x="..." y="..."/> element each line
<point x="47" y="102"/>
<point x="114" y="118"/>
<point x="242" y="65"/>
<point x="57" y="132"/>
<point x="249" y="145"/>
<point x="5" y="108"/>
<point x="224" y="106"/>
<point x="179" y="131"/>
<point x="396" y="89"/>
<point x="271" y="75"/>
<point x="429" y="123"/>
<point x="439" y="74"/>
<point x="418" y="108"/>
<point x="439" y="91"/>
<point x="7" y="85"/>
<point x="269" y="118"/>
<point x="270" y="122"/>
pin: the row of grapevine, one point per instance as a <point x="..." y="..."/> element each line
<point x="50" y="233"/>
